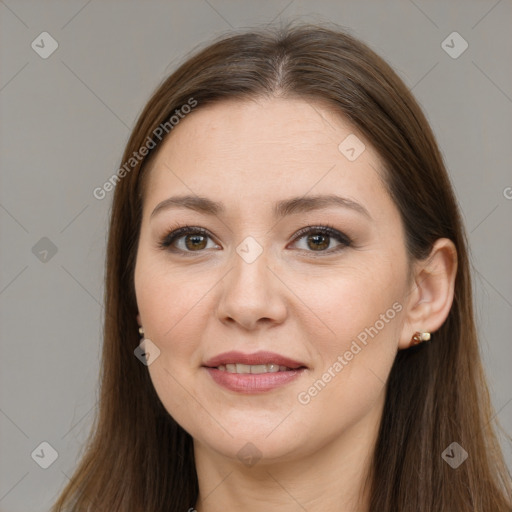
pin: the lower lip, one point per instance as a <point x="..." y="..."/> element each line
<point x="253" y="382"/>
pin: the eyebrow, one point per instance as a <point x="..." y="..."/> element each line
<point x="281" y="208"/>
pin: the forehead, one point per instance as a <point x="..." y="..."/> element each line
<point x="265" y="150"/>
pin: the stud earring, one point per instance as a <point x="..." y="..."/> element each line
<point x="141" y="332"/>
<point x="419" y="337"/>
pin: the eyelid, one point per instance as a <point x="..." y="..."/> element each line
<point x="324" y="228"/>
<point x="177" y="231"/>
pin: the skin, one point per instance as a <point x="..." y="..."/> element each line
<point x="249" y="155"/>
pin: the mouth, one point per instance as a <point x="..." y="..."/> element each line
<point x="253" y="373"/>
<point x="255" y="368"/>
<point x="257" y="362"/>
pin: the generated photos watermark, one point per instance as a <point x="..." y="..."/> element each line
<point x="305" y="397"/>
<point x="158" y="133"/>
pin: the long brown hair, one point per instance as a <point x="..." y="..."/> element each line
<point x="137" y="457"/>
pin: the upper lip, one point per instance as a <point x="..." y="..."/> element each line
<point x="261" y="357"/>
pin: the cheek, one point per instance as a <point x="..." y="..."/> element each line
<point x="172" y="309"/>
<point x="356" y="352"/>
<point x="350" y="303"/>
<point x="167" y="301"/>
<point x="360" y="313"/>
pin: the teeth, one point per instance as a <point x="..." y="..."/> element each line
<point x="252" y="368"/>
<point x="260" y="368"/>
<point x="242" y="368"/>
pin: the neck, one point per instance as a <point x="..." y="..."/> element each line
<point x="330" y="479"/>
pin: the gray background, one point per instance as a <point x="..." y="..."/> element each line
<point x="66" y="119"/>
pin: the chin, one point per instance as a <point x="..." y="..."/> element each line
<point x="250" y="447"/>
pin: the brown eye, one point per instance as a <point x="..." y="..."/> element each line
<point x="186" y="239"/>
<point x="189" y="239"/>
<point x="319" y="241"/>
<point x="319" y="238"/>
<point x="194" y="242"/>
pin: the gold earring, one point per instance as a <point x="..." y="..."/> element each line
<point x="141" y="331"/>
<point x="418" y="337"/>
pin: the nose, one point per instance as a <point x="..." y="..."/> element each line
<point x="252" y="295"/>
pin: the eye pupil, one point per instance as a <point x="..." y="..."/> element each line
<point x="194" y="239"/>
<point x="315" y="239"/>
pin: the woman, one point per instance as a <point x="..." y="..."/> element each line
<point x="285" y="241"/>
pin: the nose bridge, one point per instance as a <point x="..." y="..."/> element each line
<point x="250" y="275"/>
<point x="251" y="291"/>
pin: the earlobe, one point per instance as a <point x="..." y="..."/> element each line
<point x="431" y="295"/>
<point x="138" y="319"/>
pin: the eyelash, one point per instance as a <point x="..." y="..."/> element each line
<point x="324" y="229"/>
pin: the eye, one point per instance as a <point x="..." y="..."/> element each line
<point x="193" y="239"/>
<point x="319" y="238"/>
<point x="189" y="239"/>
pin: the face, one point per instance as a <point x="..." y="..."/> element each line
<point x="261" y="275"/>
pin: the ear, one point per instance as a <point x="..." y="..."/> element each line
<point x="138" y="320"/>
<point x="431" y="293"/>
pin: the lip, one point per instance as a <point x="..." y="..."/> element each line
<point x="251" y="383"/>
<point x="261" y="357"/>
